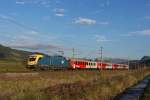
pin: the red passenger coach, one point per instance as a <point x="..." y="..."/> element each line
<point x="120" y="66"/>
<point x="87" y="64"/>
<point x="115" y="66"/>
<point x="82" y="64"/>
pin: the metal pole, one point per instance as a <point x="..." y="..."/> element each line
<point x="101" y="53"/>
<point x="128" y="63"/>
<point x="73" y="52"/>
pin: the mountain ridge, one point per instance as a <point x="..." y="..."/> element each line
<point x="10" y="54"/>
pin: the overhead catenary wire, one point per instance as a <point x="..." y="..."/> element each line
<point x="12" y="20"/>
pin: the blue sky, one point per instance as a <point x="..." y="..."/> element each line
<point x="122" y="27"/>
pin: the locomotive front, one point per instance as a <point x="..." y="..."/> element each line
<point x="33" y="60"/>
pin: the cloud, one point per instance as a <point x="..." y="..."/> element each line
<point x="147" y="3"/>
<point x="145" y="32"/>
<point x="45" y="3"/>
<point x="108" y="3"/>
<point x="28" y="41"/>
<point x="125" y="35"/>
<point x="84" y="21"/>
<point x="29" y="33"/>
<point x="147" y="17"/>
<point x="46" y="18"/>
<point x="37" y="46"/>
<point x="101" y="38"/>
<point x="5" y="17"/>
<point x="20" y="2"/>
<point x="60" y="12"/>
<point x="33" y="32"/>
<point x="105" y="3"/>
<point x="104" y="23"/>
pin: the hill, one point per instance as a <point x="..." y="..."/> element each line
<point x="9" y="54"/>
<point x="12" y="60"/>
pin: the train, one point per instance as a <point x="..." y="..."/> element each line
<point x="40" y="61"/>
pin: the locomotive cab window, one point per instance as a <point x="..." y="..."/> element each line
<point x="40" y="58"/>
<point x="32" y="59"/>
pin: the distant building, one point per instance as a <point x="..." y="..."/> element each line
<point x="145" y="61"/>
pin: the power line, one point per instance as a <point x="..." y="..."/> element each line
<point x="11" y="20"/>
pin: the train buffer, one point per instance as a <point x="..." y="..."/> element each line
<point x="134" y="92"/>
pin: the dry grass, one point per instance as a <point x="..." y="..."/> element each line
<point x="12" y="66"/>
<point x="74" y="85"/>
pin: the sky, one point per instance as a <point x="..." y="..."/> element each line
<point x="121" y="27"/>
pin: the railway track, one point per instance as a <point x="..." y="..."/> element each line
<point x="135" y="92"/>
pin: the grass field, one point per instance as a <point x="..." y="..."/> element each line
<point x="12" y="66"/>
<point x="67" y="85"/>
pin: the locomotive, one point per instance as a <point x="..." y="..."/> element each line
<point x="40" y="61"/>
<point x="47" y="62"/>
